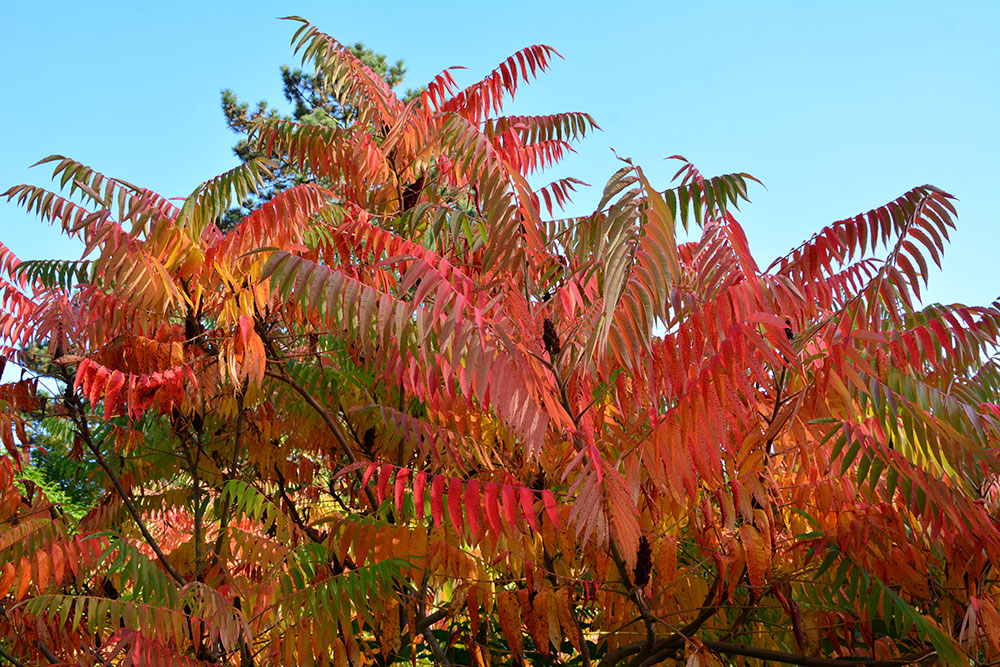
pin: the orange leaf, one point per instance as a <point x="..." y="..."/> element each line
<point x="22" y="584"/>
<point x="472" y="606"/>
<point x="339" y="654"/>
<point x="666" y="560"/>
<point x="757" y="554"/>
<point x="563" y="605"/>
<point x="510" y="621"/>
<point x="44" y="569"/>
<point x="363" y="543"/>
<point x="7" y="578"/>
<point x="535" y="619"/>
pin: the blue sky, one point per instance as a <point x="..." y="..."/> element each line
<point x="836" y="107"/>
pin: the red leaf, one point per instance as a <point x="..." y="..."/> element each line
<point x="528" y="506"/>
<point x="472" y="507"/>
<point x="402" y="477"/>
<point x="437" y="500"/>
<point x="455" y="503"/>
<point x="492" y="509"/>
<point x="111" y="396"/>
<point x="81" y="373"/>
<point x="96" y="387"/>
<point x="246" y="326"/>
<point x="367" y="477"/>
<point x="384" y="473"/>
<point x="509" y="511"/>
<point x="72" y="557"/>
<point x="419" y="484"/>
<point x="550" y="507"/>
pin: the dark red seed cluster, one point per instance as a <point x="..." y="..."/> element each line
<point x="550" y="338"/>
<point x="643" y="562"/>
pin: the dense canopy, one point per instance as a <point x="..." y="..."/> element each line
<point x="403" y="411"/>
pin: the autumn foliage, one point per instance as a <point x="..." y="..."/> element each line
<point x="405" y="412"/>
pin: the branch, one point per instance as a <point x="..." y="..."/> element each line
<point x="634" y="593"/>
<point x="10" y="658"/>
<point x="331" y="424"/>
<point x="430" y="619"/>
<point x="792" y="659"/>
<point x="81" y="424"/>
<point x="293" y="512"/>
<point x="224" y="512"/>
<point x="432" y="642"/>
<point x="668" y="644"/>
<point x="435" y="647"/>
<point x="49" y="655"/>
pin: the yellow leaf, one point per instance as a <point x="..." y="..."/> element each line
<point x="757" y="554"/>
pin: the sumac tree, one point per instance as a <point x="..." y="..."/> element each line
<point x="412" y="415"/>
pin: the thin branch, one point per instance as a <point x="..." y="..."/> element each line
<point x="432" y="642"/>
<point x="331" y="424"/>
<point x="293" y="512"/>
<point x="198" y="510"/>
<point x="224" y="512"/>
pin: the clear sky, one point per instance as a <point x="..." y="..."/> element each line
<point x="837" y="107"/>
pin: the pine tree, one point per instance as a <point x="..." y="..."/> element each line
<point x="315" y="100"/>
